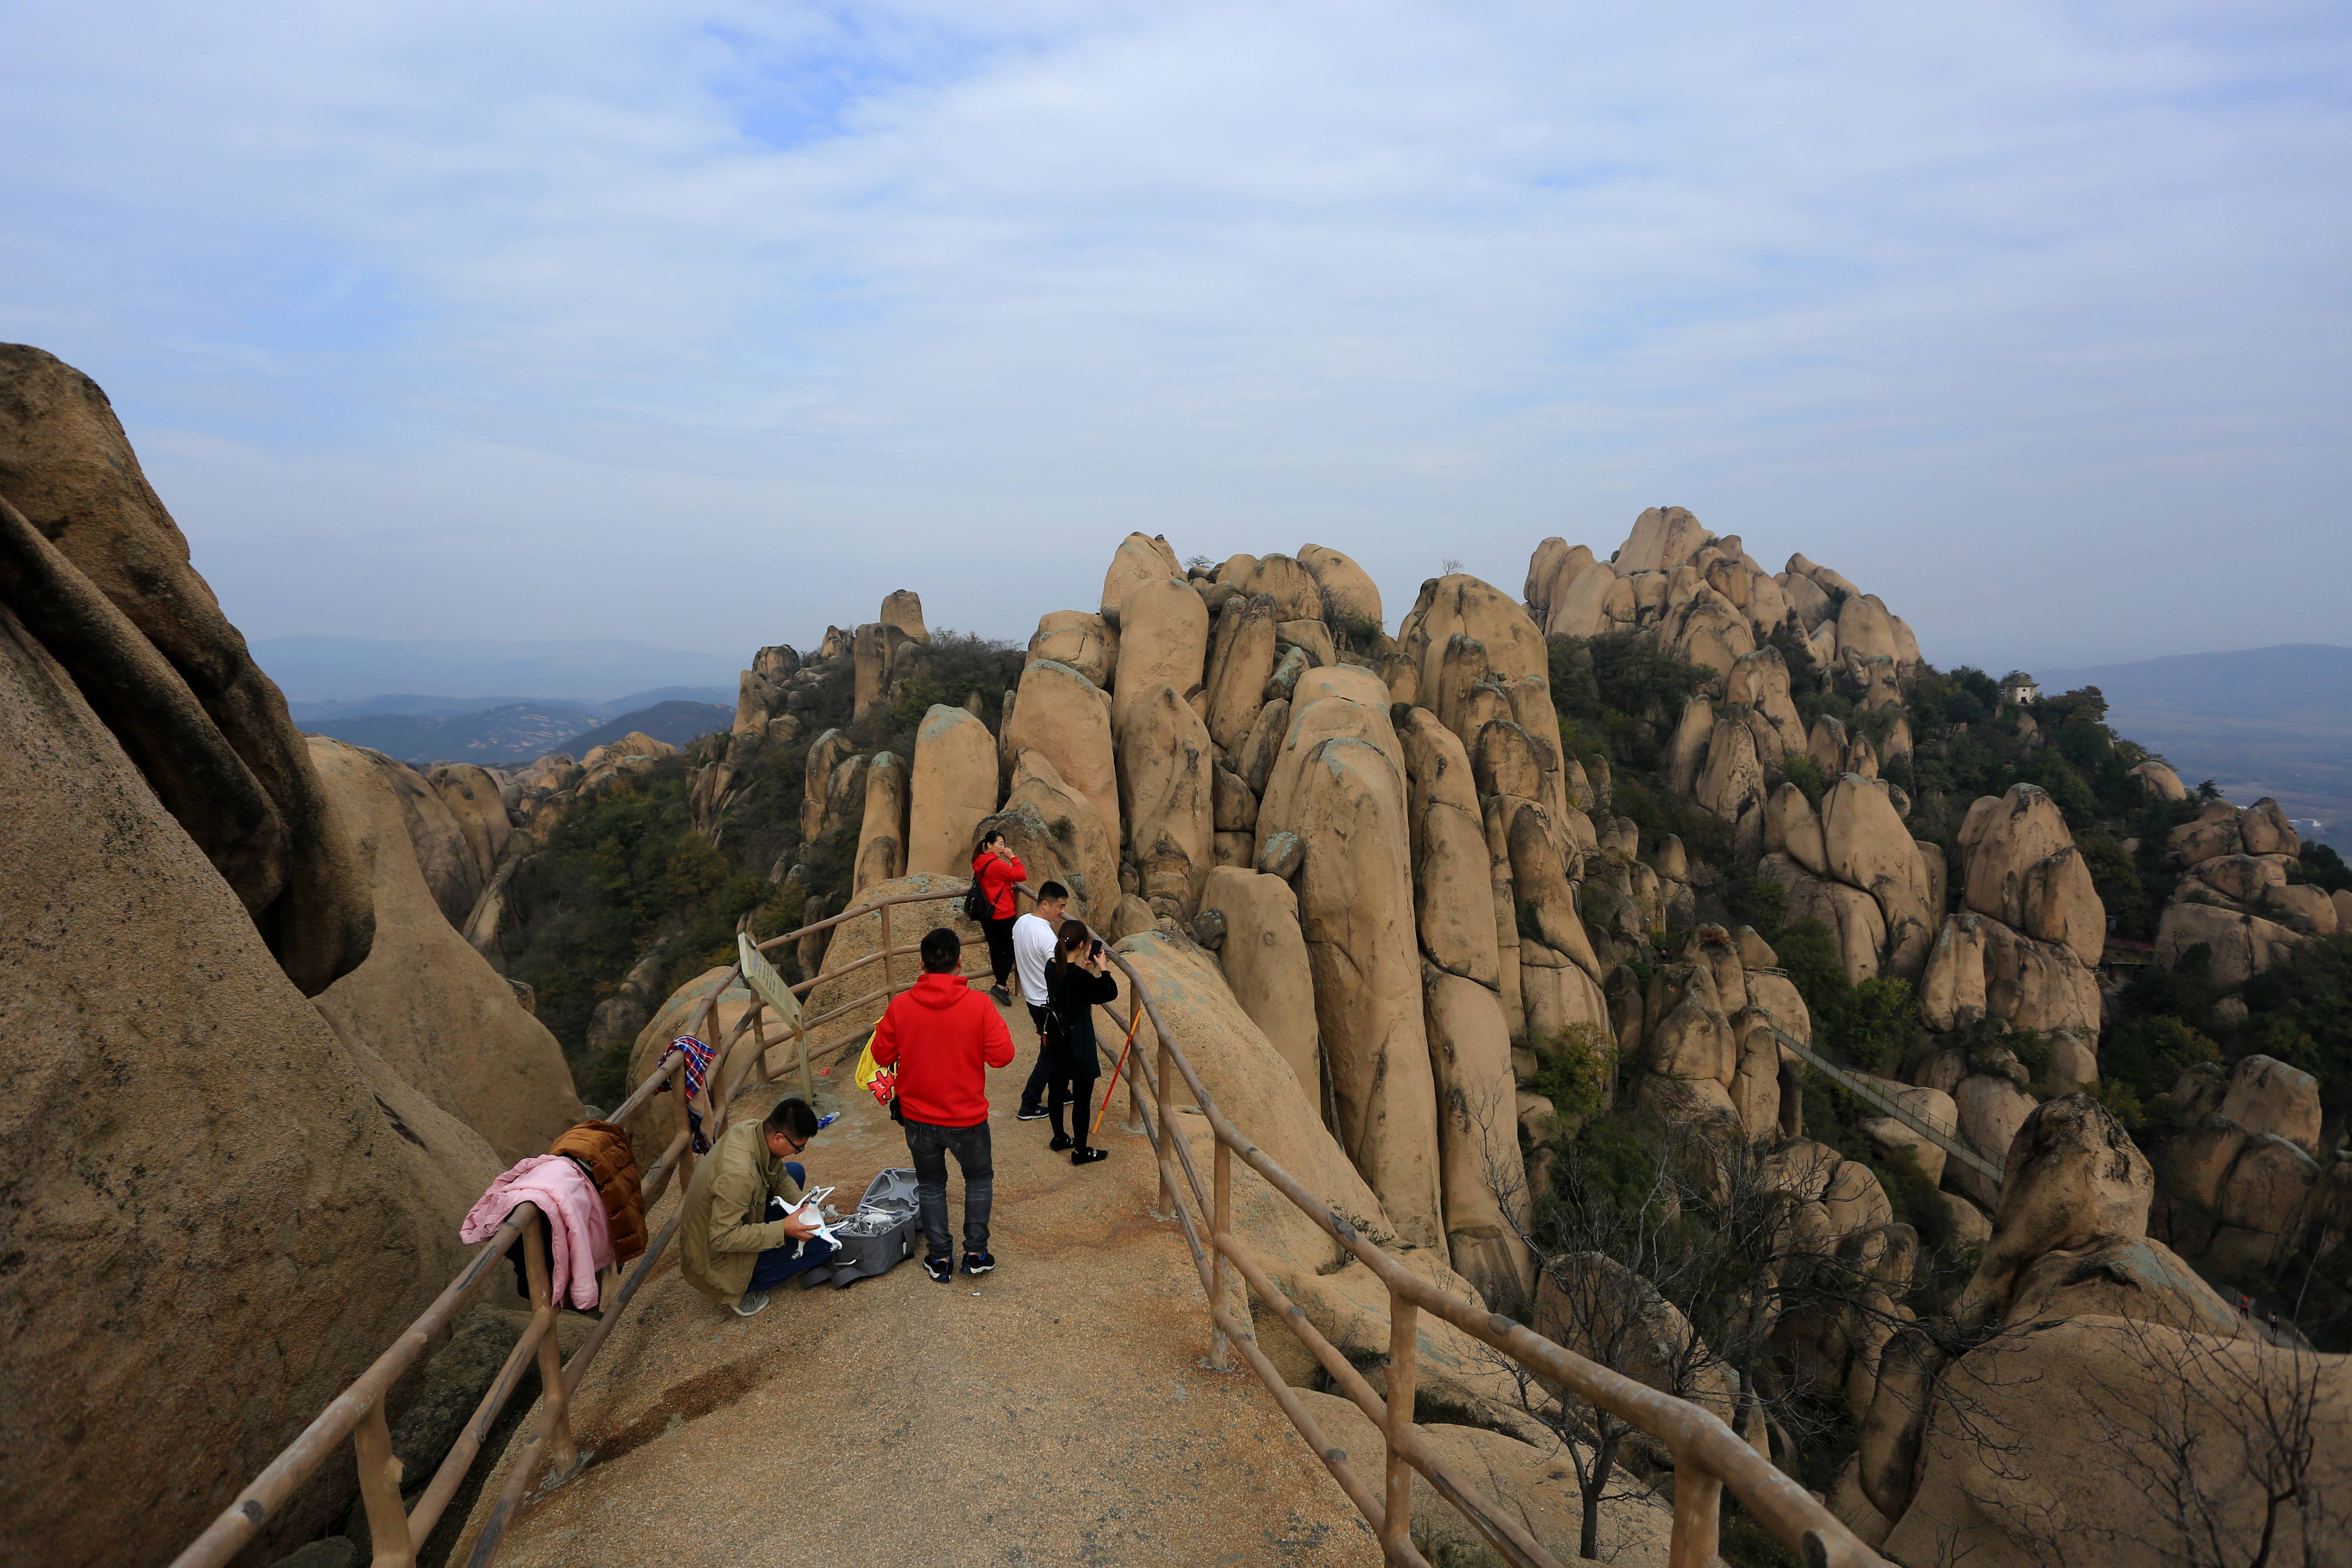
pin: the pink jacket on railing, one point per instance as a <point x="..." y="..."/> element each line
<point x="575" y="1221"/>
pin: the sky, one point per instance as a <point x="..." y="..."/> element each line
<point x="708" y="325"/>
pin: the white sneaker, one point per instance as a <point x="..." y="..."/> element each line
<point x="751" y="1302"/>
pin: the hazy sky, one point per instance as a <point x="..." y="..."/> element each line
<point x="708" y="325"/>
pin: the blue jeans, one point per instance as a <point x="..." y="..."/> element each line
<point x="929" y="1147"/>
<point x="779" y="1264"/>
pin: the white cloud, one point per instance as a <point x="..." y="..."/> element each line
<point x="712" y="324"/>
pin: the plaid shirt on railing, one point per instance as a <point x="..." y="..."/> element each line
<point x="697" y="1067"/>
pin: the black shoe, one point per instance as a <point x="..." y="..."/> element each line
<point x="1083" y="1155"/>
<point x="940" y="1268"/>
<point x="1031" y="1114"/>
<point x="1061" y="1141"/>
<point x="979" y="1262"/>
<point x="1000" y="996"/>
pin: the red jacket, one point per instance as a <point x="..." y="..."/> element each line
<point x="940" y="1034"/>
<point x="997" y="878"/>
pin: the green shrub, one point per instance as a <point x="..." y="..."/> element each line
<point x="1572" y="1069"/>
<point x="1806" y="775"/>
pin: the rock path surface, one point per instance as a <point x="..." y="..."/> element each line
<point x="1058" y="1410"/>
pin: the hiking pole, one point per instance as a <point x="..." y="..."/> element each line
<point x="1134" y="1016"/>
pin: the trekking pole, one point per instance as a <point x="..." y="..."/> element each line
<point x="1134" y="1016"/>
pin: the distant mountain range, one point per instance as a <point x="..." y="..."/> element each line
<point x="511" y="733"/>
<point x="2266" y="720"/>
<point x="320" y="668"/>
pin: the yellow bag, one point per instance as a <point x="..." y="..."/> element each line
<point x="879" y="1081"/>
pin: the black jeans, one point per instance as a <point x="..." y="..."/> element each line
<point x="1000" y="944"/>
<point x="1033" y="1093"/>
<point x="1079" y="1093"/>
<point x="931" y="1147"/>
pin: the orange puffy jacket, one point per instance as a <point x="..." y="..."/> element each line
<point x="613" y="1167"/>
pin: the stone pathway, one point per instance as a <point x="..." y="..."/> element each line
<point x="1056" y="1410"/>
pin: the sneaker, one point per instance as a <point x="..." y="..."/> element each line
<point x="751" y="1302"/>
<point x="1031" y="1114"/>
<point x="979" y="1262"/>
<point x="940" y="1268"/>
<point x="1061" y="1141"/>
<point x="1000" y="996"/>
<point x="1086" y="1156"/>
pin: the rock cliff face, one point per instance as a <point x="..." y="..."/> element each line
<point x="257" y="1075"/>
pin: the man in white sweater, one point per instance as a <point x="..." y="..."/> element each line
<point x="1033" y="936"/>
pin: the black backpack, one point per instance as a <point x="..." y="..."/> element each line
<point x="975" y="903"/>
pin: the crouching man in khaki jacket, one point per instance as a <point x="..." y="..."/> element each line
<point x="734" y="1245"/>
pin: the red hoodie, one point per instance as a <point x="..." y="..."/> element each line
<point x="997" y="879"/>
<point x="939" y="1033"/>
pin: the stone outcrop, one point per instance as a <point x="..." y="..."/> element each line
<point x="1081" y="640"/>
<point x="1140" y="558"/>
<point x="197" y="1160"/>
<point x="1263" y="959"/>
<point x="882" y="830"/>
<point x="951" y="788"/>
<point x="1163" y="640"/>
<point x="1167" y="796"/>
<point x="1344" y="796"/>
<point x="425" y="1003"/>
<point x="98" y="575"/>
<point x="902" y="610"/>
<point x="1241" y="662"/>
<point x="2242" y="1186"/>
<point x="1350" y="596"/>
<point x="1067" y="717"/>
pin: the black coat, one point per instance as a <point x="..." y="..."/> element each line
<point x="1072" y="995"/>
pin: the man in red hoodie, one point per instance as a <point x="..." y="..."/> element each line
<point x="943" y="1034"/>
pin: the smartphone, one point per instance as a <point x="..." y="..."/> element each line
<point x="1097" y="953"/>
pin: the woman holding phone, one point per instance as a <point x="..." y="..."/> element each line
<point x="1077" y="981"/>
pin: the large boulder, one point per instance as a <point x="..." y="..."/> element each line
<point x="2107" y="1440"/>
<point x="99" y="575"/>
<point x="2242" y="945"/>
<point x="1055" y="831"/>
<point x="1140" y="558"/>
<point x="1263" y="957"/>
<point x="882" y="831"/>
<point x="953" y="787"/>
<point x="451" y="869"/>
<point x="1240" y="659"/>
<point x="476" y="799"/>
<point x="1867" y="846"/>
<point x="902" y="609"/>
<point x="1452" y="897"/>
<point x="1079" y="638"/>
<point x="1355" y="907"/>
<point x="1662" y="539"/>
<point x="1065" y="717"/>
<point x="1464" y="606"/>
<point x="826" y="753"/>
<point x="1761" y="680"/>
<point x="1792" y="828"/>
<point x="1991" y="1109"/>
<point x="1163" y="640"/>
<point x="1167" y="796"/>
<point x="426" y="1004"/>
<point x="197" y="1161"/>
<point x="1478" y="1151"/>
<point x="2160" y="780"/>
<point x="1297" y="596"/>
<point x="1349" y="593"/>
<point x="2266" y="1096"/>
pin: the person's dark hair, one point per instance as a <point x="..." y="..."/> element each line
<point x="793" y="1117"/>
<point x="942" y="951"/>
<point x="994" y="835"/>
<point x="1052" y="891"/>
<point x="1073" y="933"/>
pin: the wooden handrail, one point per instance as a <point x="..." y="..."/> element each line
<point x="1707" y="1455"/>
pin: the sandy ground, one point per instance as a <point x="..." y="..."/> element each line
<point x="1056" y="1410"/>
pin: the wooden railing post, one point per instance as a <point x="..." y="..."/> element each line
<point x="544" y="1288"/>
<point x="1223" y="1232"/>
<point x="380" y="1490"/>
<point x="1166" y="1096"/>
<point x="886" y="953"/>
<point x="1698" y="1499"/>
<point x="1404" y="1343"/>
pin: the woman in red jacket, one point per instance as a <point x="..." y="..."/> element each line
<point x="998" y="872"/>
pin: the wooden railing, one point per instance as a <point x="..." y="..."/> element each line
<point x="359" y="1413"/>
<point x="1707" y="1455"/>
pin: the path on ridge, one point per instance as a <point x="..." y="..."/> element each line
<point x="1056" y="1410"/>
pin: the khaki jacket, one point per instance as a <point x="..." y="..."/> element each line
<point x="723" y="1231"/>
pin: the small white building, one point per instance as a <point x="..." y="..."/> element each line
<point x="2019" y="689"/>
